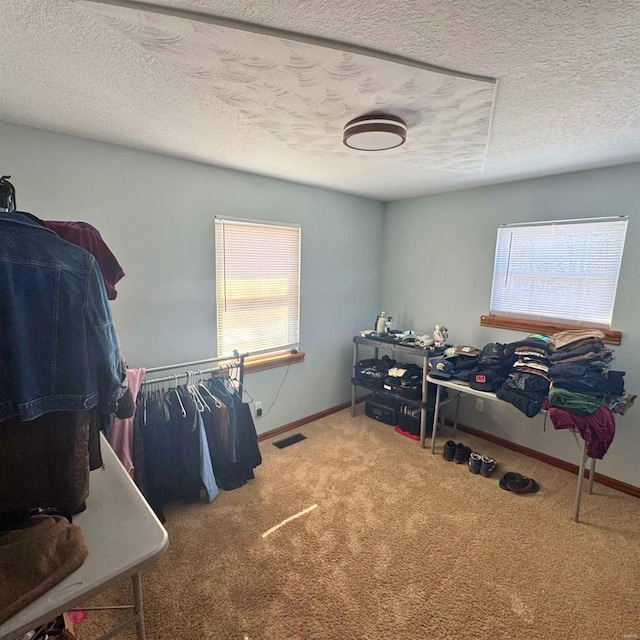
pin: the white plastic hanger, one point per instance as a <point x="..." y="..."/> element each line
<point x="184" y="411"/>
<point x="202" y="385"/>
<point x="195" y="394"/>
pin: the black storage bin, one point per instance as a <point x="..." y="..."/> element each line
<point x="383" y="408"/>
<point x="411" y="423"/>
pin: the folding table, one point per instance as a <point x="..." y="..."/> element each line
<point x="123" y="536"/>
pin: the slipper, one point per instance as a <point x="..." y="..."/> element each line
<point x="510" y="476"/>
<point x="523" y="485"/>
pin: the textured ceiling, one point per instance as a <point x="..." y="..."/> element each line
<point x="567" y="99"/>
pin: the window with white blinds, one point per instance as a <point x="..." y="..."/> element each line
<point x="257" y="285"/>
<point x="565" y="270"/>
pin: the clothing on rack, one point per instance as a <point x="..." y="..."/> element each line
<point x="120" y="431"/>
<point x="88" y="237"/>
<point x="189" y="440"/>
<point x="231" y="474"/>
<point x="59" y="346"/>
<point x="45" y="462"/>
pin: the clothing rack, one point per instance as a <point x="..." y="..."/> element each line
<point x="239" y="357"/>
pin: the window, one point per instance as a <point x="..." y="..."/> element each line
<point x="559" y="271"/>
<point x="257" y="285"/>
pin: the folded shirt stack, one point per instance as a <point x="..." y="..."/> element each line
<point x="527" y="384"/>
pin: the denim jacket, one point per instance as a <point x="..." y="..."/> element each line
<point x="58" y="346"/>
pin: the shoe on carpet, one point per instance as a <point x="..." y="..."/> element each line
<point x="475" y="463"/>
<point x="508" y="477"/>
<point x="461" y="456"/>
<point x="487" y="466"/>
<point x="449" y="450"/>
<point x="523" y="484"/>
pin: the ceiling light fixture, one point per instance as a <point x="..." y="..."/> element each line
<point x="375" y="132"/>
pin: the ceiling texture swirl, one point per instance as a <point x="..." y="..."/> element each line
<point x="269" y="91"/>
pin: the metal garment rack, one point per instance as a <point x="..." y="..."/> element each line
<point x="235" y="361"/>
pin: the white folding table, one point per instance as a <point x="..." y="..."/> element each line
<point x="123" y="536"/>
<point x="464" y="390"/>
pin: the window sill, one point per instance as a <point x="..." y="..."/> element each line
<point x="545" y="328"/>
<point x="272" y="361"/>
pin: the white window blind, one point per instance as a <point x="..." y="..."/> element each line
<point x="257" y="285"/>
<point x="565" y="270"/>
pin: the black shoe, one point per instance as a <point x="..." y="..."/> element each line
<point x="449" y="450"/>
<point x="508" y="477"/>
<point x="462" y="453"/>
<point x="475" y="462"/>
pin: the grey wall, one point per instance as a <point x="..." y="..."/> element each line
<point x="157" y="215"/>
<point x="438" y="258"/>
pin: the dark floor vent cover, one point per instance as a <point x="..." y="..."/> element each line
<point x="287" y="442"/>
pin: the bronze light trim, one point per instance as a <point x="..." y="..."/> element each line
<point x="355" y="135"/>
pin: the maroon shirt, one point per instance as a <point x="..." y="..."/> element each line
<point x="89" y="238"/>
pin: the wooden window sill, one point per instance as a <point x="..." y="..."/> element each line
<point x="253" y="364"/>
<point x="543" y="327"/>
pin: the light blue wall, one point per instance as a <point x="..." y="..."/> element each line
<point x="438" y="264"/>
<point x="157" y="215"/>
<point x="157" y="212"/>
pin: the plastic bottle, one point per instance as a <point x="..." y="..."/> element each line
<point x="381" y="322"/>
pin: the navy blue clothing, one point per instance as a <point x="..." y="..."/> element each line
<point x="58" y="345"/>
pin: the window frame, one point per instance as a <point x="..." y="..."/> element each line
<point x="272" y="356"/>
<point x="519" y="321"/>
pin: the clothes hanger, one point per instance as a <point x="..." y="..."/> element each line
<point x="7" y="194"/>
<point x="201" y="405"/>
<point x="202" y="385"/>
<point x="184" y="411"/>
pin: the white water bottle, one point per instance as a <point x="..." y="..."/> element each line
<point x="381" y="323"/>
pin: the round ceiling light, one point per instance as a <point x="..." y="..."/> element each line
<point x="375" y="133"/>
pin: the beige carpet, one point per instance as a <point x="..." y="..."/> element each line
<point x="401" y="545"/>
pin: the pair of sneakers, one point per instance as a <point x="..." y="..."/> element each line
<point x="458" y="452"/>
<point x="484" y="465"/>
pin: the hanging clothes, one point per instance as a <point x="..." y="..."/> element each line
<point x="183" y="429"/>
<point x="159" y="465"/>
<point x="120" y="432"/>
<point x="206" y="468"/>
<point x="231" y="474"/>
<point x="88" y="237"/>
<point x="64" y="361"/>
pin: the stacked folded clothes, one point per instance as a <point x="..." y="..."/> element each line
<point x="567" y="373"/>
<point x="584" y="390"/>
<point x="527" y="384"/>
<point x="373" y="371"/>
<point x="405" y="380"/>
<point x="464" y="359"/>
<point x="581" y="377"/>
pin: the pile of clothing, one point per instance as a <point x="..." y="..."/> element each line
<point x="404" y="380"/>
<point x="567" y="373"/>
<point x="584" y="390"/>
<point x="527" y="384"/>
<point x="457" y="362"/>
<point x="373" y="371"/>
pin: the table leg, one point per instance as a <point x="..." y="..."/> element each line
<point x="583" y="464"/>
<point x="137" y="605"/>
<point x="455" y="419"/>
<point x="592" y="473"/>
<point x="353" y="386"/>
<point x="434" y="426"/>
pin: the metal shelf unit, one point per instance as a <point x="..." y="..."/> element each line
<point x="390" y="346"/>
